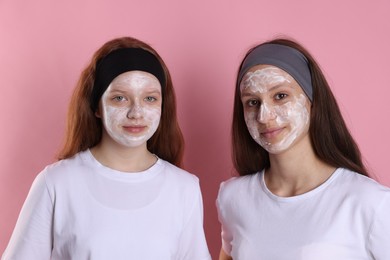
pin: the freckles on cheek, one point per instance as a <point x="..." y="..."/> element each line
<point x="113" y="115"/>
<point x="153" y="115"/>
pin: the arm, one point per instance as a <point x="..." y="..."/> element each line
<point x="32" y="236"/>
<point x="226" y="234"/>
<point x="224" y="256"/>
<point x="379" y="237"/>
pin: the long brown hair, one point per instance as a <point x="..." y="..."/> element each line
<point x="84" y="129"/>
<point x="329" y="135"/>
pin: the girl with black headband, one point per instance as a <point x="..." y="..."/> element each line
<point x="303" y="191"/>
<point x="117" y="191"/>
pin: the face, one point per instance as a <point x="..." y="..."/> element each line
<point x="131" y="108"/>
<point x="276" y="110"/>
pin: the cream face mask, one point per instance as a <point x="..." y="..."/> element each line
<point x="131" y="108"/>
<point x="275" y="117"/>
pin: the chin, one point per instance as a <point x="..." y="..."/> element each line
<point x="275" y="151"/>
<point x="275" y="148"/>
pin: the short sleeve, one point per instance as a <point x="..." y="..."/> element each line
<point x="32" y="236"/>
<point x="226" y="234"/>
<point x="193" y="244"/>
<point x="379" y="237"/>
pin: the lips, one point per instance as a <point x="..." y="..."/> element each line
<point x="134" y="129"/>
<point x="271" y="132"/>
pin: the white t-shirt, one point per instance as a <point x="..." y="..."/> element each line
<point x="345" y="218"/>
<point x="79" y="209"/>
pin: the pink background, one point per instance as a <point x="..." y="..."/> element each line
<point x="44" y="45"/>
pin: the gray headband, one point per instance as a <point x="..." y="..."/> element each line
<point x="286" y="58"/>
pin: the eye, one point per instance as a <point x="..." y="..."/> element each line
<point x="253" y="103"/>
<point x="280" y="96"/>
<point x="119" y="98"/>
<point x="150" y="99"/>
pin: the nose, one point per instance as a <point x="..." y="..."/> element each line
<point x="135" y="111"/>
<point x="266" y="113"/>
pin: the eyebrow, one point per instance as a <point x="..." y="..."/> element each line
<point x="154" y="91"/>
<point x="246" y="94"/>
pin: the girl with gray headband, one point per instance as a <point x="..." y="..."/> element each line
<point x="302" y="191"/>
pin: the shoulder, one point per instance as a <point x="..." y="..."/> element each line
<point x="360" y="184"/>
<point x="237" y="188"/>
<point x="179" y="175"/>
<point x="179" y="181"/>
<point x="65" y="170"/>
<point x="180" y="186"/>
<point x="362" y="190"/>
<point x="237" y="184"/>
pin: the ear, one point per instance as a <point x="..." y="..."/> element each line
<point x="97" y="113"/>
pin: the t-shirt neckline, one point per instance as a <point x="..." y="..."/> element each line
<point x="113" y="174"/>
<point x="305" y="195"/>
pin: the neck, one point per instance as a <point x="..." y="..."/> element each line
<point x="125" y="159"/>
<point x="296" y="171"/>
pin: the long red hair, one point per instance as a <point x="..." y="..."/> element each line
<point x="84" y="129"/>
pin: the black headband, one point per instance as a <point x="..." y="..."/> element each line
<point x="120" y="61"/>
<point x="286" y="58"/>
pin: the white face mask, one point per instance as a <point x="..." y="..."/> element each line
<point x="274" y="108"/>
<point x="131" y="108"/>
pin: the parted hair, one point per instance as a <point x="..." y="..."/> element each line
<point x="84" y="129"/>
<point x="329" y="135"/>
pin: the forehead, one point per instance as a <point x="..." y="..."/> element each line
<point x="263" y="78"/>
<point x="135" y="79"/>
<point x="268" y="70"/>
